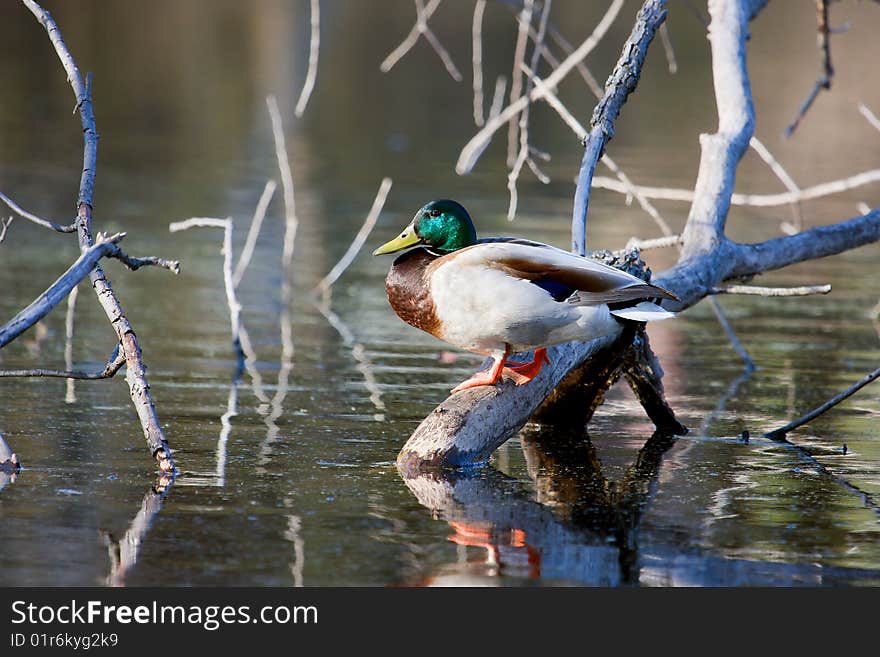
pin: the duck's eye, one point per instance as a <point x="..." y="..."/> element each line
<point x="435" y="213"/>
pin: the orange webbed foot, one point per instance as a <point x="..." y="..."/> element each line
<point x="522" y="373"/>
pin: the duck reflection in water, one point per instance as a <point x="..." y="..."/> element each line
<point x="577" y="526"/>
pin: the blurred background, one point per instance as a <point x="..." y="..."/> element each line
<point x="309" y="493"/>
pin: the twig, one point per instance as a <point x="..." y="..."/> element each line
<point x="150" y="261"/>
<point x="779" y="434"/>
<point x="139" y="388"/>
<point x="114" y="364"/>
<point x="827" y="71"/>
<point x="59" y="290"/>
<point x="869" y="115"/>
<point x="285" y="365"/>
<point x="566" y="47"/>
<point x="422" y="16"/>
<point x="764" y="153"/>
<point x="475" y="147"/>
<point x="620" y="84"/>
<point x="524" y="21"/>
<point x="498" y="97"/>
<point x="24" y="214"/>
<point x="231" y="298"/>
<point x="477" y="60"/>
<point x="253" y="232"/>
<point x="581" y="68"/>
<point x="444" y="55"/>
<point x="523" y="153"/>
<point x="656" y="243"/>
<point x="291" y="222"/>
<point x="423" y="13"/>
<point x="70" y="393"/>
<point x="4" y="227"/>
<point x="667" y="47"/>
<point x="754" y="200"/>
<point x="314" y="48"/>
<point x="802" y="291"/>
<point x="354" y="248"/>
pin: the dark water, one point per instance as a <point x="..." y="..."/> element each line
<point x="289" y="478"/>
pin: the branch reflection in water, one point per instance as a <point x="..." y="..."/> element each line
<point x="577" y="525"/>
<point x="124" y="553"/>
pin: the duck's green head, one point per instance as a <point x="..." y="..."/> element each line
<point x="443" y="225"/>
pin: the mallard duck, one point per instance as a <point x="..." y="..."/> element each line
<point x="501" y="296"/>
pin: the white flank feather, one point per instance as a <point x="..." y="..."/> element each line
<point x="646" y="311"/>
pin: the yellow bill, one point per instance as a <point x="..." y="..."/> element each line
<point x="406" y="239"/>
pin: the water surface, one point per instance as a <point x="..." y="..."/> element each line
<point x="297" y="484"/>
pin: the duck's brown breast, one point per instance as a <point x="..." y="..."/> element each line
<point x="407" y="286"/>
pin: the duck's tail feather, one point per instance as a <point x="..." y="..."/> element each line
<point x="646" y="311"/>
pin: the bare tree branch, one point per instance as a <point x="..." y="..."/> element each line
<point x="477" y="61"/>
<point x="827" y="71"/>
<point x="114" y="364"/>
<point x="475" y="147"/>
<point x="754" y="200"/>
<point x="4" y="227"/>
<point x="869" y="115"/>
<point x="619" y="86"/>
<point x="423" y="13"/>
<point x="314" y="49"/>
<point x="139" y="389"/>
<point x="253" y="232"/>
<point x="354" y="248"/>
<point x="671" y="62"/>
<point x="228" y="284"/>
<point x="59" y="290"/>
<point x="24" y="214"/>
<point x="800" y="291"/>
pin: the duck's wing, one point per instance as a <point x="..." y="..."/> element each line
<point x="565" y="276"/>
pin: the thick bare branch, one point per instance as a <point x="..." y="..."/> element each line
<point x="693" y="279"/>
<point x="722" y="151"/>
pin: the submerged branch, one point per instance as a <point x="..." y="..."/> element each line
<point x="779" y="434"/>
